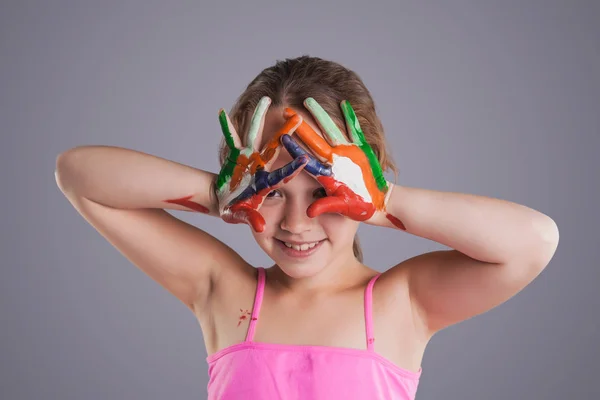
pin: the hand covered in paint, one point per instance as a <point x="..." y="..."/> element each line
<point x="349" y="171"/>
<point x="244" y="182"/>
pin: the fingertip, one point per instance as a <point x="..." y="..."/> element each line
<point x="288" y="112"/>
<point x="257" y="223"/>
<point x="312" y="212"/>
<point x="296" y="119"/>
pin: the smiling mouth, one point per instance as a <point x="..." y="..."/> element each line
<point x="299" y="250"/>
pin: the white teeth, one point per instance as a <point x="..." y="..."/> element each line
<point x="301" y="247"/>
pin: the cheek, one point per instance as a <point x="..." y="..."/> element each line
<point x="338" y="227"/>
<point x="272" y="213"/>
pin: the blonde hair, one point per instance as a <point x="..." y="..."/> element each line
<point x="289" y="82"/>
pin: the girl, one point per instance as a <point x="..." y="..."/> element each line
<point x="302" y="164"/>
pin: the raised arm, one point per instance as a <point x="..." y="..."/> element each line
<point x="122" y="193"/>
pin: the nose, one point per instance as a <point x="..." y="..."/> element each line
<point x="295" y="219"/>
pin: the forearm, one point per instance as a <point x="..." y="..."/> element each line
<point x="486" y="229"/>
<point x="124" y="178"/>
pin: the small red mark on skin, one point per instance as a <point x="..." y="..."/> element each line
<point x="395" y="221"/>
<point x="186" y="202"/>
<point x="244" y="316"/>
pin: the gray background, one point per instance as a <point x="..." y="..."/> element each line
<point x="493" y="98"/>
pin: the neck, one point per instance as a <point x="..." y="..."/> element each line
<point x="343" y="273"/>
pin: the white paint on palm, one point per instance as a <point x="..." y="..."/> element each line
<point x="346" y="171"/>
<point x="225" y="196"/>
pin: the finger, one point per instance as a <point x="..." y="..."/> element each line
<point x="356" y="133"/>
<point x="314" y="166"/>
<point x="313" y="140"/>
<point x="288" y="113"/>
<point x="358" y="138"/>
<point x="271" y="150"/>
<point x="256" y="220"/>
<point x="257" y="123"/>
<point x="287" y="172"/>
<point x="330" y="204"/>
<point x="247" y="215"/>
<point x="248" y="192"/>
<point x="325" y="122"/>
<point x="231" y="137"/>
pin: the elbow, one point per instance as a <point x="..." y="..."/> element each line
<point x="547" y="239"/>
<point x="62" y="168"/>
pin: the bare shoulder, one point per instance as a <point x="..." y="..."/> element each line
<point x="392" y="292"/>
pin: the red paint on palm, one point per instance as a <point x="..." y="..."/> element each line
<point x="246" y="211"/>
<point x="342" y="200"/>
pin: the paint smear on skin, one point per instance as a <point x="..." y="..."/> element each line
<point x="186" y="202"/>
<point x="395" y="221"/>
<point x="244" y="316"/>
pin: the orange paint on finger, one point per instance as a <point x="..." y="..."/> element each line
<point x="238" y="171"/>
<point x="271" y="148"/>
<point x="315" y="142"/>
<point x="312" y="139"/>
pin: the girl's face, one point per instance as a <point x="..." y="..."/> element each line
<point x="301" y="246"/>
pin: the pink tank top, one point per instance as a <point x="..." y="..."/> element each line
<point x="253" y="370"/>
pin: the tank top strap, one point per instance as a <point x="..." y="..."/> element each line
<point x="260" y="289"/>
<point x="369" y="312"/>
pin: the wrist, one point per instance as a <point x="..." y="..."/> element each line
<point x="388" y="194"/>
<point x="213" y="198"/>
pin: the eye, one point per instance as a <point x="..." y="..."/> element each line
<point x="320" y="193"/>
<point x="274" y="193"/>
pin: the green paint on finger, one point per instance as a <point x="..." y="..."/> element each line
<point x="225" y="129"/>
<point x="356" y="133"/>
<point x="358" y="137"/>
<point x="227" y="169"/>
<point x="231" y="160"/>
